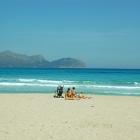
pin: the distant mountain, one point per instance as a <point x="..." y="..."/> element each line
<point x="68" y="63"/>
<point x="9" y="59"/>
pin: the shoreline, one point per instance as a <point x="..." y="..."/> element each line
<point x="41" y="117"/>
<point x="45" y="93"/>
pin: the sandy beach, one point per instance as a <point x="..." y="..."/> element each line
<point x="42" y="117"/>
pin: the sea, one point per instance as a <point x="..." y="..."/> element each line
<point x="86" y="80"/>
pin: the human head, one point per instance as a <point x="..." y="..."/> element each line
<point x="68" y="89"/>
<point x="73" y="88"/>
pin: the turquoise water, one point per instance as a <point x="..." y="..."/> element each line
<point x="92" y="81"/>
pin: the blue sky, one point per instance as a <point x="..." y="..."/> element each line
<point x="103" y="33"/>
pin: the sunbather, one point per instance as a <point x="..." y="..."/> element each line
<point x="72" y="95"/>
<point x="69" y="95"/>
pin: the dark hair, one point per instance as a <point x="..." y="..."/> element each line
<point x="68" y="89"/>
<point x="73" y="87"/>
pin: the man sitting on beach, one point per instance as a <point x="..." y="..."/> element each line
<point x="68" y="94"/>
<point x="71" y="95"/>
<point x="59" y="92"/>
<point x="73" y="92"/>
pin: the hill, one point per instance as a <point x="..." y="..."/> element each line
<point x="68" y="63"/>
<point x="9" y="59"/>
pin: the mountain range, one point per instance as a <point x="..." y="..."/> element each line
<point x="9" y="59"/>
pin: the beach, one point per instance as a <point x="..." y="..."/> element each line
<point x="42" y="117"/>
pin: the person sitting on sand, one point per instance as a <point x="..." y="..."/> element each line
<point x="73" y="92"/>
<point x="68" y="94"/>
<point x="82" y="96"/>
<point x="59" y="92"/>
<point x="71" y="95"/>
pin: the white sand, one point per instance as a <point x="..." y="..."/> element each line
<point x="41" y="117"/>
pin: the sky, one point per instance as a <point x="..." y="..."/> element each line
<point x="102" y="33"/>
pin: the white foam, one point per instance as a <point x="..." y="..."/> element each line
<point x="49" y="81"/>
<point x="25" y="84"/>
<point x="45" y="81"/>
<point x="52" y="83"/>
<point x="136" y="83"/>
<point x="110" y="87"/>
<point x="26" y="80"/>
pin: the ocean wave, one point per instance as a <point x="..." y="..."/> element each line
<point x="136" y="83"/>
<point x="45" y="81"/>
<point x="50" y="83"/>
<point x="26" y="80"/>
<point x="115" y="87"/>
<point x="51" y="87"/>
<point x="100" y="84"/>
<point x="25" y="84"/>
